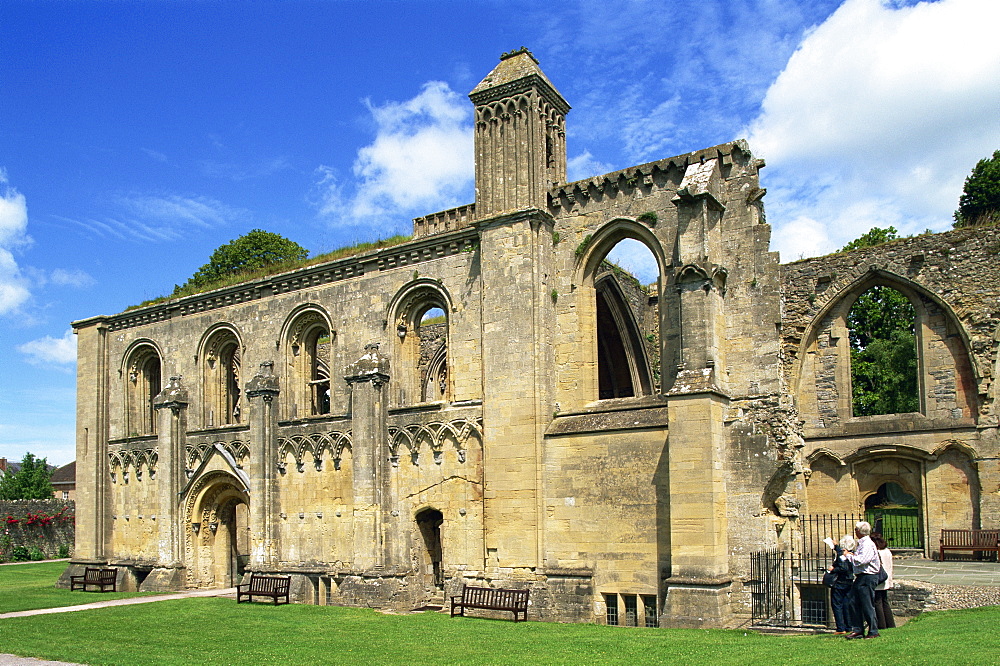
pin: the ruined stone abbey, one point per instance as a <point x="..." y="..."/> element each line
<point x="492" y="403"/>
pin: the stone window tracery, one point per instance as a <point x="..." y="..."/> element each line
<point x="310" y="354"/>
<point x="222" y="370"/>
<point x="143" y="383"/>
<point x="422" y="330"/>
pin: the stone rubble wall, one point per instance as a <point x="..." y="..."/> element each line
<point x="47" y="538"/>
<point x="958" y="266"/>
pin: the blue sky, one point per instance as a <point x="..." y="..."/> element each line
<point x="136" y="137"/>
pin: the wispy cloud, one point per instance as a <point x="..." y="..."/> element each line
<point x="158" y="218"/>
<point x="877" y="119"/>
<point x="14" y="288"/>
<point x="49" y="351"/>
<point x="243" y="172"/>
<point x="670" y="78"/>
<point x="420" y="161"/>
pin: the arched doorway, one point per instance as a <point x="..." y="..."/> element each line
<point x="218" y="530"/>
<point x="895" y="514"/>
<point x="429" y="522"/>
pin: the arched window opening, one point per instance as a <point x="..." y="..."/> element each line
<point x="895" y="514"/>
<point x="222" y="372"/>
<point x="884" y="364"/>
<point x="318" y="360"/>
<point x="311" y="353"/>
<point x="628" y="331"/>
<point x="144" y="384"/>
<point x="421" y="359"/>
<point x="433" y="334"/>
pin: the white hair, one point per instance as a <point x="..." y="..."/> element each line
<point x="848" y="543"/>
<point x="864" y="528"/>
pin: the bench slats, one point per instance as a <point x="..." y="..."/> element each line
<point x="102" y="578"/>
<point x="274" y="587"/>
<point x="974" y="540"/>
<point x="489" y="598"/>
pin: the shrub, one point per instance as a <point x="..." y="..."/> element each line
<point x="36" y="554"/>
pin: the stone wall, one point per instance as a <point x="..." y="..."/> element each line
<point x="53" y="526"/>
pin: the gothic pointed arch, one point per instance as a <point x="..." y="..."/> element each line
<point x="420" y="316"/>
<point x="142" y="372"/>
<point x="220" y="355"/>
<point x="310" y="351"/>
<point x="622" y="355"/>
<point x="946" y="380"/>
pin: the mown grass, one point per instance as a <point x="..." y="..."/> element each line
<point x="217" y="631"/>
<point x="30" y="586"/>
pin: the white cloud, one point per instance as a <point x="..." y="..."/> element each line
<point x="877" y="119"/>
<point x="49" y="350"/>
<point x="585" y="165"/>
<point x="420" y="162"/>
<point x="14" y="289"/>
<point x="71" y="278"/>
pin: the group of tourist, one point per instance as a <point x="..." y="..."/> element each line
<point x="857" y="596"/>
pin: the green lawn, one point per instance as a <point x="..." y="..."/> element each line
<point x="30" y="586"/>
<point x="217" y="631"/>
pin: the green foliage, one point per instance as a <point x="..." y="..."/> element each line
<point x="271" y="269"/>
<point x="250" y="252"/>
<point x="582" y="247"/>
<point x="979" y="204"/>
<point x="883" y="353"/>
<point x="32" y="481"/>
<point x="63" y="550"/>
<point x="649" y="217"/>
<point x="555" y="237"/>
<point x="875" y="236"/>
<point x="555" y="296"/>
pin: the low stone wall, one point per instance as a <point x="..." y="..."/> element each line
<point x="28" y="527"/>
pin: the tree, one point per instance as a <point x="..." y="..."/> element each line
<point x="250" y="252"/>
<point x="883" y="353"/>
<point x="979" y="204"/>
<point x="874" y="236"/>
<point x="883" y="344"/>
<point x="32" y="481"/>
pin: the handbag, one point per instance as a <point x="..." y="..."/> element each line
<point x="829" y="578"/>
<point x="882" y="574"/>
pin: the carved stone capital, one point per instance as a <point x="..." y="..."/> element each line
<point x="264" y="384"/>
<point x="173" y="396"/>
<point x="373" y="366"/>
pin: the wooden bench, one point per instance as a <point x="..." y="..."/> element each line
<point x="488" y="598"/>
<point x="274" y="587"/>
<point x="101" y="578"/>
<point x="987" y="541"/>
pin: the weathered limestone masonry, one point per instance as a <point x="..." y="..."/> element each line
<point x="947" y="454"/>
<point x="619" y="449"/>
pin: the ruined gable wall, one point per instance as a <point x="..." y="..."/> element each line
<point x="958" y="267"/>
<point x="959" y="273"/>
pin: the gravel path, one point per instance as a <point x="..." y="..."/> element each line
<point x="952" y="597"/>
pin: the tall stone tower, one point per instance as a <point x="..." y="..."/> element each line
<point x="520" y="136"/>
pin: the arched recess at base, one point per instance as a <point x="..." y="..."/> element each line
<point x="217" y="530"/>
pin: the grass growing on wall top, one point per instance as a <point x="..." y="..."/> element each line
<point x="275" y="269"/>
